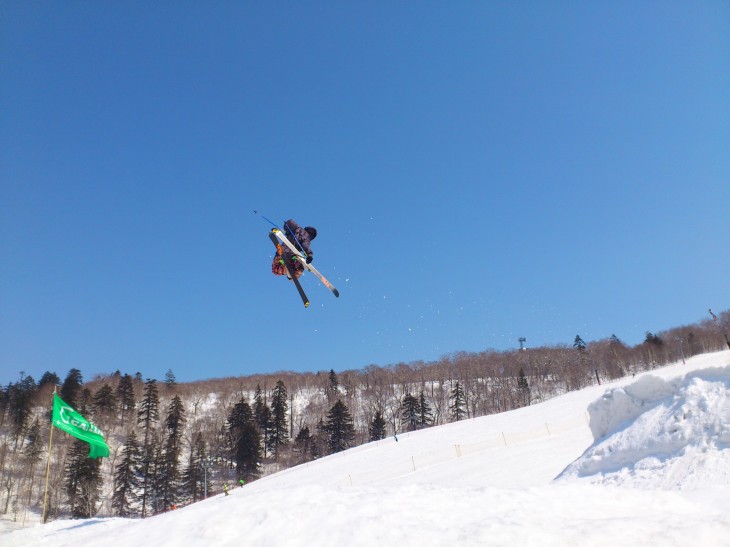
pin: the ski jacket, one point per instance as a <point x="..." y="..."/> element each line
<point x="298" y="236"/>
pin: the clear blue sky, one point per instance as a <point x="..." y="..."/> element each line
<point x="477" y="171"/>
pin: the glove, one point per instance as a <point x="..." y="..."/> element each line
<point x="309" y="259"/>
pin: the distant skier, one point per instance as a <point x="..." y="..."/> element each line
<point x="225" y="488"/>
<point x="241" y="482"/>
<point x="301" y="238"/>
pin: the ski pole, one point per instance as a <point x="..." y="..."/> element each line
<point x="286" y="228"/>
<point x="266" y="219"/>
<point x="289" y="230"/>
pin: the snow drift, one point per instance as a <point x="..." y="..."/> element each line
<point x="669" y="434"/>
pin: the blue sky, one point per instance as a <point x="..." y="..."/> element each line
<point x="477" y="172"/>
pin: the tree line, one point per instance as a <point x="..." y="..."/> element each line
<point x="176" y="443"/>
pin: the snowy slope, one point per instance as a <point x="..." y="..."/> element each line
<point x="642" y="461"/>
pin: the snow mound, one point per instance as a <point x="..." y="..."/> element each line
<point x="671" y="434"/>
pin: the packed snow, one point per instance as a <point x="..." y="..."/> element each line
<point x="640" y="461"/>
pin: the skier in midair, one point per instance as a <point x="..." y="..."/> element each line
<point x="299" y="237"/>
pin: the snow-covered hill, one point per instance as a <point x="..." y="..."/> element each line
<point x="641" y="461"/>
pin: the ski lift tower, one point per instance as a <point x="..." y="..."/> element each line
<point x="522" y="341"/>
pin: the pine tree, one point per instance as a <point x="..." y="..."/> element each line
<point x="260" y="413"/>
<point x="522" y="379"/>
<point x="104" y="402"/>
<point x="321" y="439"/>
<point x="71" y="388"/>
<point x="194" y="475"/>
<point x="32" y="452"/>
<point x="155" y="484"/>
<point x="333" y="388"/>
<point x="125" y="396"/>
<point x="579" y="344"/>
<point x="248" y="452"/>
<point x="19" y="399"/>
<point x="85" y="400"/>
<point x="523" y="386"/>
<point x="376" y="428"/>
<point x="83" y="480"/>
<point x="245" y="440"/>
<point x="265" y="429"/>
<point x="339" y="428"/>
<point x="279" y="407"/>
<point x="49" y="379"/>
<point x="425" y="416"/>
<point x="148" y="415"/>
<point x="127" y="478"/>
<point x="4" y="402"/>
<point x="240" y="415"/>
<point x="33" y="442"/>
<point x="175" y="419"/>
<point x="458" y="403"/>
<point x="169" y="478"/>
<point x="410" y="412"/>
<point x="170" y="380"/>
<point x="304" y="444"/>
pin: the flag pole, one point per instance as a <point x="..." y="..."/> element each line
<point x="48" y="464"/>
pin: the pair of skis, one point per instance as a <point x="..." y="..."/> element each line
<point x="278" y="238"/>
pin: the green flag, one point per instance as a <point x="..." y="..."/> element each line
<point x="73" y="423"/>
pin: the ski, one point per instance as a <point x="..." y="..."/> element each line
<point x="303" y="259"/>
<point x="289" y="271"/>
<point x="319" y="276"/>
